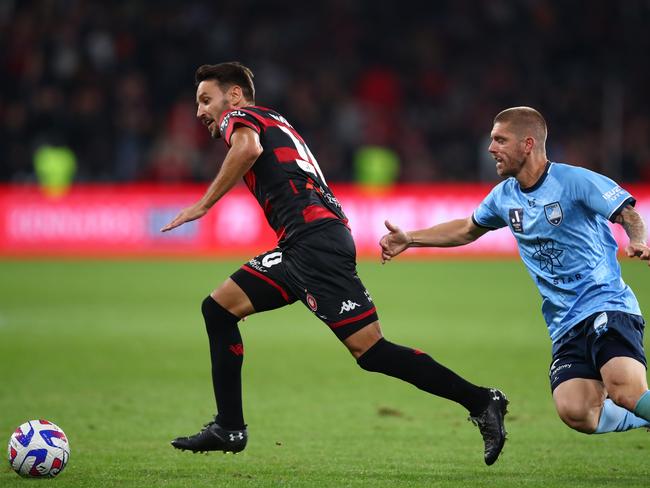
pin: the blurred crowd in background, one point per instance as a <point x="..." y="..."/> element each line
<point x="413" y="84"/>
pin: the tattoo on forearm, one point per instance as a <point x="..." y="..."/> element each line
<point x="633" y="224"/>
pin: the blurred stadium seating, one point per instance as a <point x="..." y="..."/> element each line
<point x="113" y="82"/>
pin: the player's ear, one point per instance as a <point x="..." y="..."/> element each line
<point x="235" y="94"/>
<point x="529" y="144"/>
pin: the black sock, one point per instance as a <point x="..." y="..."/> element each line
<point x="419" y="369"/>
<point x="227" y="355"/>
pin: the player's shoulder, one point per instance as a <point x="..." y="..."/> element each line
<point x="231" y="115"/>
<point x="577" y="177"/>
<point x="258" y="110"/>
<point x="263" y="115"/>
<point x="506" y="187"/>
<point x="564" y="171"/>
<point x="268" y="113"/>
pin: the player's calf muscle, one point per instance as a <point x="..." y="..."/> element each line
<point x="626" y="396"/>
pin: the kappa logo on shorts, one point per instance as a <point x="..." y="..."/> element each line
<point x="348" y="305"/>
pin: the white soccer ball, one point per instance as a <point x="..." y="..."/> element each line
<point x="38" y="448"/>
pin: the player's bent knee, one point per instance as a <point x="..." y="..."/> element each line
<point x="215" y="315"/>
<point x="206" y="306"/>
<point x="584" y="425"/>
<point x="231" y="297"/>
<point x="578" y="418"/>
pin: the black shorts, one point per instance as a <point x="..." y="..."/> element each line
<point x="594" y="341"/>
<point x="318" y="269"/>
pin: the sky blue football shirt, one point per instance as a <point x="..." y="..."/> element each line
<point x="561" y="228"/>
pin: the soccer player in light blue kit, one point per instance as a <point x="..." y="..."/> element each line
<point x="558" y="214"/>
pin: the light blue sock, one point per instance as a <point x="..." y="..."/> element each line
<point x="617" y="419"/>
<point x="642" y="408"/>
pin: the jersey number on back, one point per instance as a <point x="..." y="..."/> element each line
<point x="307" y="161"/>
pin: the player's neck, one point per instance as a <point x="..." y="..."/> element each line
<point x="242" y="104"/>
<point x="531" y="173"/>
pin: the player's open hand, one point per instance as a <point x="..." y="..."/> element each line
<point x="640" y="250"/>
<point x="187" y="215"/>
<point x="393" y="243"/>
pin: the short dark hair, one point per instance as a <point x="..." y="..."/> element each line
<point x="227" y="75"/>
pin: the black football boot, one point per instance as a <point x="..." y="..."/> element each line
<point x="213" y="437"/>
<point x="490" y="424"/>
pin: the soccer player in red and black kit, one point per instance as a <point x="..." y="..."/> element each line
<point x="314" y="262"/>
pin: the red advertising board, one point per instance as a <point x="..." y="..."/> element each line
<point x="124" y="220"/>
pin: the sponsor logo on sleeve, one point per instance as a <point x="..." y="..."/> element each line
<point x="613" y="194"/>
<point x="226" y="119"/>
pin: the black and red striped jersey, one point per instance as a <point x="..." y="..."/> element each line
<point x="286" y="179"/>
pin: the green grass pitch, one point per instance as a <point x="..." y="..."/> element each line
<point x="115" y="353"/>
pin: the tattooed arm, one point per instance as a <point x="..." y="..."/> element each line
<point x="637" y="232"/>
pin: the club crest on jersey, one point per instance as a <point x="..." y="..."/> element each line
<point x="516" y="216"/>
<point x="553" y="213"/>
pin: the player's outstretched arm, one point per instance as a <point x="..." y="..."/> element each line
<point x="244" y="151"/>
<point x="394" y="242"/>
<point x="636" y="231"/>
<point x="448" y="234"/>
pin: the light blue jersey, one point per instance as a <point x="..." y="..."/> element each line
<point x="561" y="228"/>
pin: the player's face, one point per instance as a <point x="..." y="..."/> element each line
<point x="211" y="103"/>
<point x="507" y="149"/>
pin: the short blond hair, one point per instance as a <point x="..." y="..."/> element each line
<point x="524" y="121"/>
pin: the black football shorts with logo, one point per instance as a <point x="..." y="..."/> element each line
<point x="584" y="349"/>
<point x="318" y="269"/>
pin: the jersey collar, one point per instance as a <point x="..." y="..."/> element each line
<point x="539" y="182"/>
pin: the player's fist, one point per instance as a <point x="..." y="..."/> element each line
<point x="638" y="249"/>
<point x="394" y="242"/>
